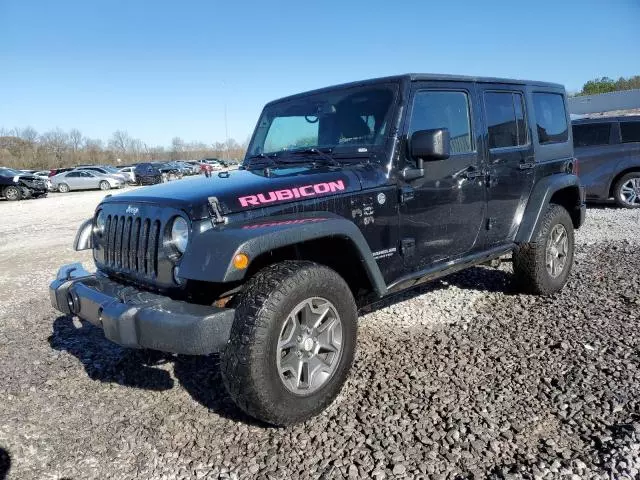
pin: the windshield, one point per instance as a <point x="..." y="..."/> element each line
<point x="10" y="172"/>
<point x="349" y="119"/>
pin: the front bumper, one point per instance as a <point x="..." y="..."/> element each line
<point x="139" y="319"/>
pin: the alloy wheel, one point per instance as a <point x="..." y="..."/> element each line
<point x="557" y="250"/>
<point x="630" y="192"/>
<point x="309" y="346"/>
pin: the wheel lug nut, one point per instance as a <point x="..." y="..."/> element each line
<point x="299" y="338"/>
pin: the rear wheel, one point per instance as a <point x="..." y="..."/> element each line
<point x="543" y="266"/>
<point x="12" y="193"/>
<point x="627" y="191"/>
<point x="63" y="188"/>
<point x="292" y="342"/>
<point x="104" y="185"/>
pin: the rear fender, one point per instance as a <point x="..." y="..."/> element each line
<point x="539" y="201"/>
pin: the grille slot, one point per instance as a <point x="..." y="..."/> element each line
<point x="132" y="244"/>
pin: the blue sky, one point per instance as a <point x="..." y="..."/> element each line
<point x="167" y="68"/>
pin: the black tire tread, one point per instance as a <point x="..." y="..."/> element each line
<point x="243" y="377"/>
<point x="528" y="258"/>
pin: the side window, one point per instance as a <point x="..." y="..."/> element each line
<point x="506" y="121"/>
<point x="630" y="132"/>
<point x="432" y="109"/>
<point x="587" y="135"/>
<point x="73" y="174"/>
<point x="551" y="118"/>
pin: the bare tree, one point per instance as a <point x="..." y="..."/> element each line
<point x="75" y="139"/>
<point x="120" y="142"/>
<point x="55" y="143"/>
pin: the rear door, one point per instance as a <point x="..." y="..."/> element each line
<point x="510" y="155"/>
<point x="73" y="179"/>
<point x="597" y="148"/>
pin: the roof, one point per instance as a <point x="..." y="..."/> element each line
<point x="619" y="118"/>
<point x="416" y="77"/>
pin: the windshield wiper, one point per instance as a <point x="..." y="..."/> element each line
<point x="260" y="160"/>
<point x="324" y="154"/>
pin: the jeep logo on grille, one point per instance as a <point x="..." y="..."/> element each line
<point x="131" y="210"/>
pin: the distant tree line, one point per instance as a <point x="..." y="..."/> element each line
<point x="606" y="84"/>
<point x="25" y="148"/>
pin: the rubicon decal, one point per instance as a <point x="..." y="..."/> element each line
<point x="289" y="193"/>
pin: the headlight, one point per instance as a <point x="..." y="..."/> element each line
<point x="180" y="234"/>
<point x="101" y="222"/>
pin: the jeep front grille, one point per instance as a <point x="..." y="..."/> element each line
<point x="131" y="244"/>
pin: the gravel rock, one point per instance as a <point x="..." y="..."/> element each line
<point x="460" y="378"/>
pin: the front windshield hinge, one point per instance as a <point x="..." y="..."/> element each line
<point x="215" y="212"/>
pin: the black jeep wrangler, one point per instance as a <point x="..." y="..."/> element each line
<point x="347" y="194"/>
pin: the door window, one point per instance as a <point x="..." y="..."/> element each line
<point x="630" y="131"/>
<point x="551" y="118"/>
<point x="506" y="121"/>
<point x="73" y="174"/>
<point x="588" y="135"/>
<point x="444" y="109"/>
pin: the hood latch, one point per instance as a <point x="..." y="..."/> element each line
<point x="216" y="214"/>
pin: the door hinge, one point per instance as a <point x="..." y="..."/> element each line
<point x="491" y="221"/>
<point x="408" y="247"/>
<point x="406" y="193"/>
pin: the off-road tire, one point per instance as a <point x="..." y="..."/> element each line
<point x="12" y="193"/>
<point x="104" y="185"/>
<point x="529" y="259"/>
<point x="63" y="188"/>
<point x="617" y="190"/>
<point x="248" y="363"/>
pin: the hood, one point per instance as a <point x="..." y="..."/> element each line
<point x="242" y="190"/>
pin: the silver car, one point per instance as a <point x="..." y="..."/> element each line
<point x="85" y="180"/>
<point x="105" y="169"/>
<point x="129" y="173"/>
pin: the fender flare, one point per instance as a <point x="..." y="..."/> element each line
<point x="210" y="254"/>
<point x="539" y="202"/>
<point x="629" y="163"/>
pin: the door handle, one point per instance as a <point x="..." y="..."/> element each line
<point x="470" y="173"/>
<point x="526" y="165"/>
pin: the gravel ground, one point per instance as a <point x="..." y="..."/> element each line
<point x="463" y="378"/>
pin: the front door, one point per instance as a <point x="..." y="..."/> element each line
<point x="510" y="160"/>
<point x="443" y="212"/>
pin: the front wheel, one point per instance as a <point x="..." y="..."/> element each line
<point x="292" y="342"/>
<point x="104" y="185"/>
<point x="543" y="266"/>
<point x="626" y="191"/>
<point x="12" y="193"/>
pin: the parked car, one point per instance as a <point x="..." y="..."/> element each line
<point x="609" y="153"/>
<point x="267" y="265"/>
<point x="147" y="174"/>
<point x="16" y="185"/>
<point x="56" y="171"/>
<point x="105" y="170"/>
<point x="129" y="173"/>
<point x="44" y="175"/>
<point x="169" y="172"/>
<point x="86" y="180"/>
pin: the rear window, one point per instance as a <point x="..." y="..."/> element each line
<point x="630" y="132"/>
<point x="551" y="118"/>
<point x="588" y="135"/>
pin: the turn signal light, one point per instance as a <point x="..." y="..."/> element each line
<point x="241" y="261"/>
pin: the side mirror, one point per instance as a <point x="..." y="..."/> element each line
<point x="430" y="145"/>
